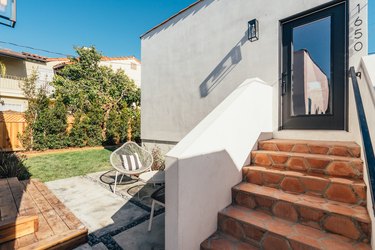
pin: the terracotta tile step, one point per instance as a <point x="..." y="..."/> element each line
<point x="333" y="188"/>
<point x="348" y="220"/>
<point x="348" y="149"/>
<point x="220" y="241"/>
<point x="331" y="165"/>
<point x="266" y="232"/>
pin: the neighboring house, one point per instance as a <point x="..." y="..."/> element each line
<point x="130" y="65"/>
<point x="18" y="67"/>
<point x="221" y="76"/>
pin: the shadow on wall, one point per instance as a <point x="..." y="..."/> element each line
<point x="194" y="8"/>
<point x="226" y="65"/>
<point x="213" y="175"/>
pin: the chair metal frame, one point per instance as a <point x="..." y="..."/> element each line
<point x="154" y="201"/>
<point x="130" y="148"/>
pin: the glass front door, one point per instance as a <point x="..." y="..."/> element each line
<point x="313" y="84"/>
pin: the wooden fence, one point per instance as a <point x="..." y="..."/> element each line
<point x="11" y="125"/>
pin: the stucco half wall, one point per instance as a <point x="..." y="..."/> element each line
<point x="207" y="163"/>
<point x="196" y="59"/>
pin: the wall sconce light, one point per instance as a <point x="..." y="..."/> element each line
<point x="253" y="30"/>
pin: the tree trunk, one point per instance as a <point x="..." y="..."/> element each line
<point x="104" y="126"/>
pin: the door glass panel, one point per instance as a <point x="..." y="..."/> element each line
<point x="311" y="69"/>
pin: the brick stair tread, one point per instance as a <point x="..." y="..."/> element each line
<point x="313" y="142"/>
<point x="309" y="155"/>
<point x="314" y="184"/>
<point x="295" y="233"/>
<point x="349" y="210"/>
<point x="291" y="173"/>
<point x="313" y="146"/>
<point x="312" y="163"/>
<point x="219" y="241"/>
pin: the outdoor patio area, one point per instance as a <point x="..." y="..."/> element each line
<point x="114" y="221"/>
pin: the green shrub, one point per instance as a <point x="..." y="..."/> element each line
<point x="50" y="125"/>
<point x="46" y="119"/>
<point x="159" y="159"/>
<point x="117" y="126"/>
<point x="77" y="136"/>
<point x="12" y="165"/>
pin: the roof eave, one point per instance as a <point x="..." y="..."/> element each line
<point x="167" y="20"/>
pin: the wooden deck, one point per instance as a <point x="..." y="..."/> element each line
<point x="55" y="228"/>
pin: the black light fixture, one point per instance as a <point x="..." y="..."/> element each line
<point x="253" y="30"/>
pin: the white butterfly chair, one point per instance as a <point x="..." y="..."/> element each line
<point x="130" y="159"/>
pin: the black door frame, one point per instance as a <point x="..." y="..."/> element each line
<point x="329" y="122"/>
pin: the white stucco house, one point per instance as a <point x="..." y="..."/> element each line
<point x="264" y="109"/>
<point x="18" y="67"/>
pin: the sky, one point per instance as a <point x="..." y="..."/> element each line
<point x="112" y="26"/>
<point x="315" y="37"/>
<point x="371" y="26"/>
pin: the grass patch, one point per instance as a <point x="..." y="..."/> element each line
<point x="64" y="165"/>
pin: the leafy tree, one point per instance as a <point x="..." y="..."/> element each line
<point x="31" y="92"/>
<point x="98" y="98"/>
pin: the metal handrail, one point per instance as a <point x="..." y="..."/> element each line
<point x="365" y="133"/>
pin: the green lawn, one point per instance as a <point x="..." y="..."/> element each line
<point x="63" y="165"/>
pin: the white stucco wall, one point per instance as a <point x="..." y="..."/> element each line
<point x="14" y="104"/>
<point x="207" y="163"/>
<point x="366" y="86"/>
<point x="45" y="73"/>
<point x="192" y="62"/>
<point x="369" y="61"/>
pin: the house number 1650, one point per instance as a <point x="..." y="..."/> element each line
<point x="358" y="31"/>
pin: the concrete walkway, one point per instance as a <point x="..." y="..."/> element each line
<point x="115" y="221"/>
<point x="139" y="238"/>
